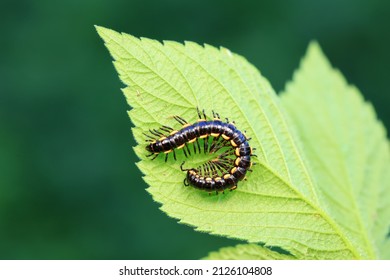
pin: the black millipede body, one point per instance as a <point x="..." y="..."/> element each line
<point x="215" y="175"/>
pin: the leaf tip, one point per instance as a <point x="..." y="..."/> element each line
<point x="315" y="53"/>
<point x="106" y="34"/>
<point x="99" y="30"/>
<point x="314" y="46"/>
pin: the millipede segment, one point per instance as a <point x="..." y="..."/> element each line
<point x="215" y="175"/>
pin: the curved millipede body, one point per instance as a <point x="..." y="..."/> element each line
<point x="215" y="175"/>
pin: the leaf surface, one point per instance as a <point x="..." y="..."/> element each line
<point x="279" y="204"/>
<point x="347" y="148"/>
<point x="247" y="252"/>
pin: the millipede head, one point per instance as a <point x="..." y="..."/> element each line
<point x="149" y="148"/>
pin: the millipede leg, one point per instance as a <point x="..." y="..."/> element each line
<point x="151" y="137"/>
<point x="197" y="109"/>
<point x="156" y="155"/>
<point x="220" y="145"/>
<point x="181" y="166"/>
<point x="213" y="141"/>
<point x="166" y="129"/>
<point x="212" y="146"/>
<point x="197" y="141"/>
<point x="177" y="119"/>
<point x="212" y="169"/>
<point x="196" y="144"/>
<point x="166" y="157"/>
<point x="160" y="133"/>
<point x="208" y="170"/>
<point x="202" y="170"/>
<point x="156" y="133"/>
<point x="180" y="120"/>
<point x="188" y="149"/>
<point x="174" y="154"/>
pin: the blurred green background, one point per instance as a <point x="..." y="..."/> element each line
<point x="69" y="188"/>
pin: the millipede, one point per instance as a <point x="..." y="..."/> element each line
<point x="218" y="174"/>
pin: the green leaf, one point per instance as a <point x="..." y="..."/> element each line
<point x="247" y="252"/>
<point x="279" y="204"/>
<point x="347" y="148"/>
